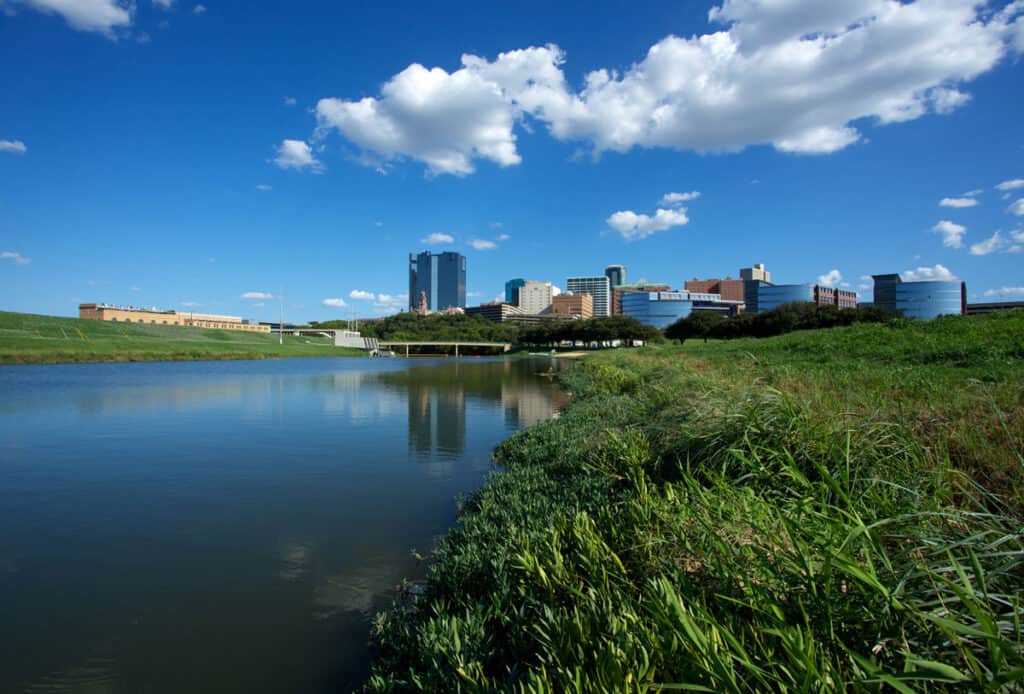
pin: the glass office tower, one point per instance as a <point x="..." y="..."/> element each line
<point x="616" y="275"/>
<point x="512" y="288"/>
<point x="441" y="276"/>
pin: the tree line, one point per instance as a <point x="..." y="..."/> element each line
<point x="784" y="319"/>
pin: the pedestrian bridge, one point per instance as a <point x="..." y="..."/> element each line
<point x="399" y="345"/>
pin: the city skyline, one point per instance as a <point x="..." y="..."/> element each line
<point x="162" y="156"/>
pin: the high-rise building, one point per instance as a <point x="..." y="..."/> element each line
<point x="597" y="287"/>
<point x="616" y="275"/>
<point x="441" y="277"/>
<point x="512" y="288"/>
<point x="534" y="296"/>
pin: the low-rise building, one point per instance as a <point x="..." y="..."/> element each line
<point x="573" y="305"/>
<point x="154" y="316"/>
<point x="497" y="311"/>
<point x="640" y="286"/>
<point x="662" y="309"/>
<point x="770" y="297"/>
<point x="729" y="289"/>
<point x="924" y="299"/>
<point x="990" y="306"/>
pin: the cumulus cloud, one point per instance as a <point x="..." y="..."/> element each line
<point x="952" y="233"/>
<point x="361" y="295"/>
<point x="13" y="146"/>
<point x="958" y="202"/>
<point x="18" y="258"/>
<point x="994" y="243"/>
<point x="1005" y="291"/>
<point x="675" y="199"/>
<point x="297" y="154"/>
<point x="257" y="295"/>
<point x="391" y="302"/>
<point x="633" y="226"/>
<point x="830" y="278"/>
<point x="100" y="16"/>
<point x="793" y="74"/>
<point x="483" y="244"/>
<point x="1017" y="208"/>
<point x="938" y="273"/>
<point x="263" y="186"/>
<point x="1012" y="184"/>
<point x="437" y="238"/>
<point x="334" y="303"/>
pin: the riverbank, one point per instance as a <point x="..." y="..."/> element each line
<point x="827" y="510"/>
<point x="32" y="339"/>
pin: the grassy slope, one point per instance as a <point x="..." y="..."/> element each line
<point x="31" y="339"/>
<point x="811" y="512"/>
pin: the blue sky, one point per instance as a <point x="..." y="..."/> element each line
<point x="188" y="155"/>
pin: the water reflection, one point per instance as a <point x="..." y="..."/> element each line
<point x="230" y="527"/>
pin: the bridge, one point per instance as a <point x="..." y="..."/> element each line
<point x="391" y="344"/>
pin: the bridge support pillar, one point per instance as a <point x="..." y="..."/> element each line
<point x="407" y="351"/>
<point x="456" y="349"/>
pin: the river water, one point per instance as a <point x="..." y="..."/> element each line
<point x="231" y="526"/>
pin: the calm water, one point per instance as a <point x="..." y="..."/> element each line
<point x="230" y="526"/>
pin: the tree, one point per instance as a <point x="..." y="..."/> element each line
<point x="697" y="324"/>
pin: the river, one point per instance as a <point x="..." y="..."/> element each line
<point x="231" y="526"/>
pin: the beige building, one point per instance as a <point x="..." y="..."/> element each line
<point x="757" y="272"/>
<point x="534" y="296"/>
<point x="574" y="305"/>
<point x="130" y="314"/>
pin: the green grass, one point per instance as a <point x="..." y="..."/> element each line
<point x="834" y="510"/>
<point x="32" y="339"/>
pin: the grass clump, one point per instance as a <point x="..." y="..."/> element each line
<point x="32" y="339"/>
<point x="741" y="517"/>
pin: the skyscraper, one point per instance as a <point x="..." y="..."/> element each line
<point x="616" y="275"/>
<point x="597" y="287"/>
<point x="512" y="288"/>
<point x="440" y="276"/>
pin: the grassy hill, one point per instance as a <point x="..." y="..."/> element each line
<point x="829" y="511"/>
<point x="31" y="339"/>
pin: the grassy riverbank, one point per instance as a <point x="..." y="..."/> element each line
<point x="823" y="511"/>
<point x="31" y="339"/>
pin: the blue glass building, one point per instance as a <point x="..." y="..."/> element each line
<point x="659" y="309"/>
<point x="441" y="276"/>
<point x="927" y="300"/>
<point x="512" y="288"/>
<point x="924" y="300"/>
<point x="771" y="297"/>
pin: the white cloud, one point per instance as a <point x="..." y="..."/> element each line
<point x="994" y="243"/>
<point x="673" y="199"/>
<point x="973" y="193"/>
<point x="18" y="258"/>
<point x="952" y="233"/>
<point x="1017" y="208"/>
<point x="296" y="154"/>
<point x="1012" y="184"/>
<point x="290" y="101"/>
<point x="13" y="146"/>
<point x="163" y="4"/>
<point x="101" y="16"/>
<point x="437" y="238"/>
<point x="831" y="278"/>
<point x="939" y="272"/>
<point x="391" y="302"/>
<point x="1005" y="291"/>
<point x="483" y="244"/>
<point x="794" y="74"/>
<point x="958" y="202"/>
<point x="474" y="294"/>
<point x="634" y="226"/>
<point x="361" y="295"/>
<point x="257" y="295"/>
<point x="503" y="237"/>
<point x="263" y="186"/>
<point x="1017" y="235"/>
<point x="135" y="289"/>
<point x="334" y="303"/>
<point x="199" y="9"/>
